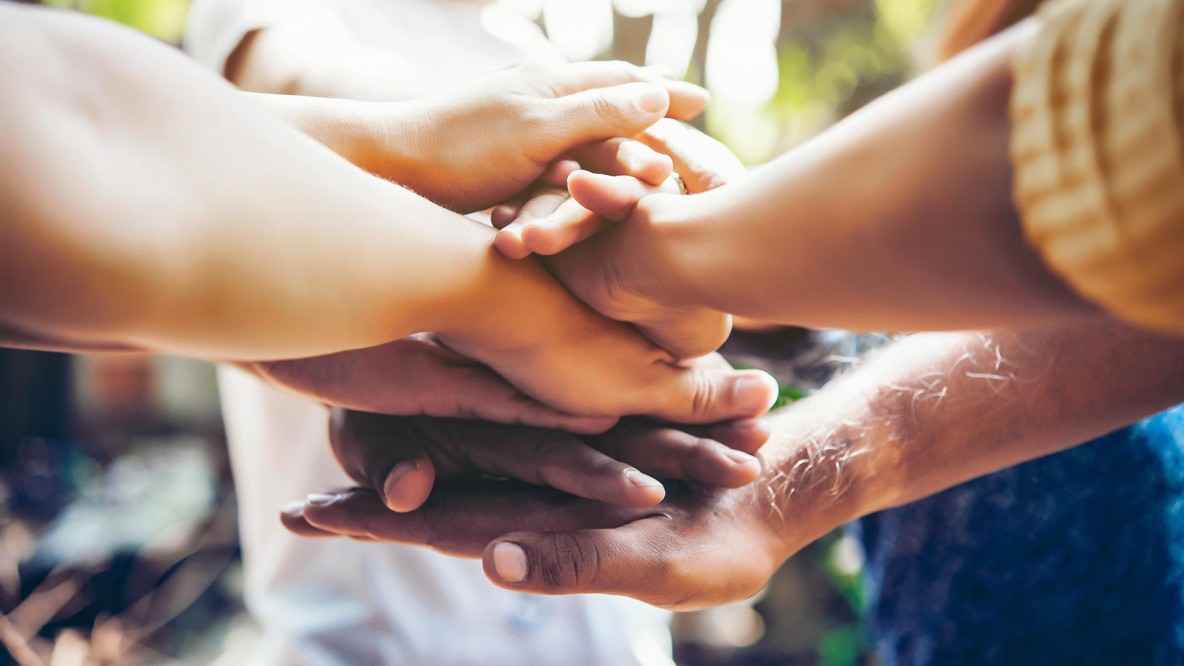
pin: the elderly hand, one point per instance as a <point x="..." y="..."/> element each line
<point x="402" y="457"/>
<point x="700" y="547"/>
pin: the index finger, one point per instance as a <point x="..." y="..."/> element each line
<point x="687" y="100"/>
<point x="460" y="519"/>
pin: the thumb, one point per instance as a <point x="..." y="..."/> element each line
<point x="702" y="395"/>
<point x="604" y="113"/>
<point x="613" y="197"/>
<point x="385" y="454"/>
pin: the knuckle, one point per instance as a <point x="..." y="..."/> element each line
<point x="612" y="112"/>
<point x="704" y="395"/>
<point x="572" y="563"/>
<point x="534" y="73"/>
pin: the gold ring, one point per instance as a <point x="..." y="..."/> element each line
<point x="682" y="187"/>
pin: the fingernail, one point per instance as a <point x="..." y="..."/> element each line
<point x="509" y="561"/>
<point x="320" y="499"/>
<point x="641" y="480"/>
<point x="390" y="488"/>
<point x="652" y="98"/>
<point x="756" y="392"/>
<point x="293" y="508"/>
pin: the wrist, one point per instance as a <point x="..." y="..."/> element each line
<point x="396" y="142"/>
<point x="505" y="307"/>
<point x="670" y="250"/>
<point x="829" y="461"/>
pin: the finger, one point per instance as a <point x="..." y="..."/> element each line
<point x="557" y="172"/>
<point x="503" y="214"/>
<point x="747" y="435"/>
<point x="686" y="100"/>
<point x="613" y="197"/>
<point x="698" y="395"/>
<point x="555" y="176"/>
<point x="551" y="458"/>
<point x="703" y="162"/>
<point x="292" y="518"/>
<point x="623" y="157"/>
<point x="460" y="519"/>
<point x="386" y="454"/>
<point x="630" y="560"/>
<point x="544" y="202"/>
<point x="573" y="223"/>
<point x="603" y="113"/>
<point x="568" y="225"/>
<point x="679" y="454"/>
<point x="510" y="240"/>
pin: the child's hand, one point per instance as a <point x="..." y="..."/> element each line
<point x="546" y="221"/>
<point x="612" y="272"/>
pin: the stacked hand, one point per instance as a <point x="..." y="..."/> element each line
<point x="521" y="134"/>
<point x="574" y="371"/>
<point x="702" y="546"/>
<point x="600" y="241"/>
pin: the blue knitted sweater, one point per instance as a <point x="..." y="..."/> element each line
<point x="1077" y="558"/>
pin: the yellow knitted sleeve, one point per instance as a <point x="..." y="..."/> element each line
<point x="1098" y="149"/>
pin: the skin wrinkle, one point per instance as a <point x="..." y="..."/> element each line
<point x="897" y="412"/>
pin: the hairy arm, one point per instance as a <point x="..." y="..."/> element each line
<point x="935" y="410"/>
<point x="926" y="413"/>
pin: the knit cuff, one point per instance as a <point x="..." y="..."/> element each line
<point x="1098" y="153"/>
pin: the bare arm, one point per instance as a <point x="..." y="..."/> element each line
<point x="146" y="204"/>
<point x="926" y="413"/>
<point x="935" y="410"/>
<point x="134" y="190"/>
<point x="898" y="218"/>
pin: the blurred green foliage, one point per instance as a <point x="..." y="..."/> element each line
<point x="832" y="60"/>
<point x="164" y="19"/>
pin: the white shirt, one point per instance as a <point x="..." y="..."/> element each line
<point x="325" y="602"/>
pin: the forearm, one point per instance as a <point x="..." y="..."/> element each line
<point x="899" y="218"/>
<point x="381" y="138"/>
<point x="319" y="56"/>
<point x="153" y="207"/>
<point x="935" y="410"/>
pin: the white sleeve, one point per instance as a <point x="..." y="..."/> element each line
<point x="216" y="27"/>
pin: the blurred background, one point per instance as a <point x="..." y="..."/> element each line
<point x="118" y="542"/>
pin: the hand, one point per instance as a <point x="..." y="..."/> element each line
<point x="417" y="376"/>
<point x="700" y="547"/>
<point x="401" y="458"/>
<point x="480" y="147"/>
<point x="550" y="224"/>
<point x="581" y="363"/>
